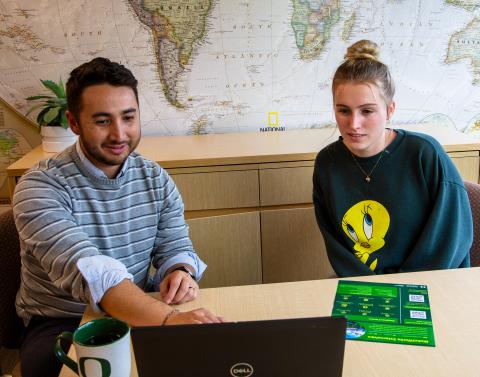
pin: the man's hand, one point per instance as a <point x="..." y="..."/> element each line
<point x="129" y="303"/>
<point x="178" y="287"/>
<point x="196" y="316"/>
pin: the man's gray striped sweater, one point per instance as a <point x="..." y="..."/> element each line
<point x="64" y="213"/>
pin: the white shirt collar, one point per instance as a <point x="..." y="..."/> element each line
<point x="92" y="169"/>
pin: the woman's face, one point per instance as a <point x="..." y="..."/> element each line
<point x="361" y="114"/>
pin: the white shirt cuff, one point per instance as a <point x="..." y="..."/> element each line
<point x="101" y="273"/>
<point x="196" y="263"/>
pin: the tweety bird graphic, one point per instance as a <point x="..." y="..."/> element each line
<point x="366" y="224"/>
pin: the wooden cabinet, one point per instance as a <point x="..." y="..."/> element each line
<point x="230" y="246"/>
<point x="218" y="189"/>
<point x="467" y="163"/>
<point x="248" y="199"/>
<point x="292" y="246"/>
<point x="289" y="183"/>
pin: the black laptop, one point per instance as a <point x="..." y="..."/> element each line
<point x="300" y="347"/>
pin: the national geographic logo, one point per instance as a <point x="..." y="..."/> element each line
<point x="272" y="121"/>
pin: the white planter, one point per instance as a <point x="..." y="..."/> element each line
<point x="56" y="139"/>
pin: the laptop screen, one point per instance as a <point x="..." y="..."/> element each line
<point x="288" y="347"/>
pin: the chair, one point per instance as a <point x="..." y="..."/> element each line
<point x="473" y="190"/>
<point x="11" y="325"/>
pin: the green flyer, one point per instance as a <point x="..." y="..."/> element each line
<point x="382" y="312"/>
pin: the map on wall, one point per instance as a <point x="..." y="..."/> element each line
<point x="215" y="66"/>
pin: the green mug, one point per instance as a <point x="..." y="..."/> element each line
<point x="102" y="346"/>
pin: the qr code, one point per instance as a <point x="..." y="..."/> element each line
<point x="418" y="314"/>
<point x="416" y="298"/>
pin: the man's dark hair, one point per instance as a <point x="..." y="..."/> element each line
<point x="96" y="72"/>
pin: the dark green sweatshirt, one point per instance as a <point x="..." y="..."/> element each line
<point x="413" y="215"/>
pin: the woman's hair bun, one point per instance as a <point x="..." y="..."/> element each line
<point x="363" y="49"/>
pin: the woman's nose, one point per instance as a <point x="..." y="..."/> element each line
<point x="355" y="121"/>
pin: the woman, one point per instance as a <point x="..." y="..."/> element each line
<point x="385" y="200"/>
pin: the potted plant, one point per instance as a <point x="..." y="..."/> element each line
<point x="52" y="120"/>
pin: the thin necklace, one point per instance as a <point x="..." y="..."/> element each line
<point x="369" y="174"/>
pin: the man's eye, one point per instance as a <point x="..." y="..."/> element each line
<point x="102" y="122"/>
<point x="367" y="111"/>
<point x="343" y="111"/>
<point x="129" y="118"/>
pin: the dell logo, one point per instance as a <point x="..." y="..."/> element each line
<point x="241" y="370"/>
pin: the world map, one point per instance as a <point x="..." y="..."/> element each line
<point x="217" y="66"/>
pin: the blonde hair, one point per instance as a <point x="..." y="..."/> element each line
<point x="362" y="65"/>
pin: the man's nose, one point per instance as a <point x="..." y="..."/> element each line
<point x="117" y="130"/>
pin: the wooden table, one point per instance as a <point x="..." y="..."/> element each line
<point x="455" y="305"/>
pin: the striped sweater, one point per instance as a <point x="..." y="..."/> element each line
<point x="64" y="213"/>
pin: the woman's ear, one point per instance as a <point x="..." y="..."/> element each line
<point x="390" y="110"/>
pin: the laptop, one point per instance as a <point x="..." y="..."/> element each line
<point x="273" y="348"/>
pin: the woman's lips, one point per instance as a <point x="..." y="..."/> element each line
<point x="356" y="136"/>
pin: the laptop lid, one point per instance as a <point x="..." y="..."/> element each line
<point x="288" y="347"/>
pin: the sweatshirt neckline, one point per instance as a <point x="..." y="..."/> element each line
<point x="389" y="149"/>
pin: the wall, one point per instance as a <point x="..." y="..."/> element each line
<point x="236" y="66"/>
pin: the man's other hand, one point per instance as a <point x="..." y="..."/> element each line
<point x="178" y="287"/>
<point x="196" y="316"/>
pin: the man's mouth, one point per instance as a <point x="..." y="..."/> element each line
<point x="117" y="148"/>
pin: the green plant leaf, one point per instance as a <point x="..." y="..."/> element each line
<point x="53" y="108"/>
<point x="33" y="98"/>
<point x="41" y="114"/>
<point x="63" y="119"/>
<point x="62" y="88"/>
<point x="51" y="114"/>
<point x="54" y="102"/>
<point x="53" y="87"/>
<point x="35" y="107"/>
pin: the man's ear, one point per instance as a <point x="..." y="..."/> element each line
<point x="72" y="122"/>
<point x="390" y="110"/>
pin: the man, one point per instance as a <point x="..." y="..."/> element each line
<point x="93" y="218"/>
